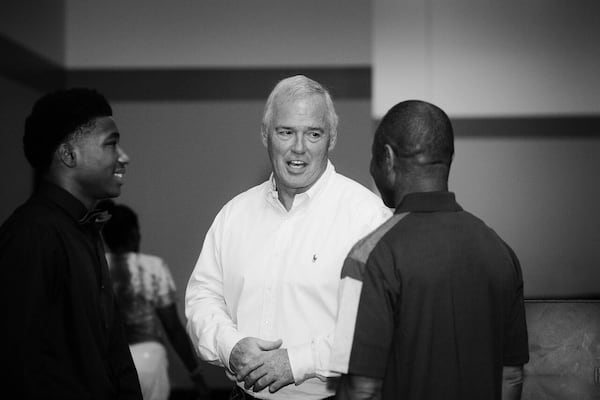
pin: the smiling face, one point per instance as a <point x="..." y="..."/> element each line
<point x="298" y="140"/>
<point x="100" y="161"/>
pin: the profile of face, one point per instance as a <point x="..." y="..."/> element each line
<point x="99" y="160"/>
<point x="298" y="142"/>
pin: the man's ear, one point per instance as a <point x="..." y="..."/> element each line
<point x="66" y="155"/>
<point x="389" y="158"/>
<point x="264" y="135"/>
<point x="332" y="142"/>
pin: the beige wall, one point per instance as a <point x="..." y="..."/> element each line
<point x="508" y="60"/>
<point x="216" y="33"/>
<point x="16" y="178"/>
<point x="541" y="196"/>
<point x="37" y="25"/>
<point x="488" y="58"/>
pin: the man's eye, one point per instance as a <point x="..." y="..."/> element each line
<point x="284" y="132"/>
<point x="314" y="135"/>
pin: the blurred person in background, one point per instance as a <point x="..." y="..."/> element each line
<point x="146" y="295"/>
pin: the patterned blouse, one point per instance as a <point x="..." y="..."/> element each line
<point x="142" y="283"/>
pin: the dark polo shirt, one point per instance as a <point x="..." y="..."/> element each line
<point x="441" y="304"/>
<point x="62" y="334"/>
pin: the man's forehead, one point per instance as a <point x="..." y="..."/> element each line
<point x="104" y="126"/>
<point x="307" y="107"/>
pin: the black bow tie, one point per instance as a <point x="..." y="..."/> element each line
<point x="96" y="218"/>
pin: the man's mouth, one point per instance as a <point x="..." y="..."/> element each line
<point x="119" y="174"/>
<point x="296" y="164"/>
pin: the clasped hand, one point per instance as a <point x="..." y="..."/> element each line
<point x="260" y="363"/>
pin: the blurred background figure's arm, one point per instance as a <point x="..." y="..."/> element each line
<point x="182" y="345"/>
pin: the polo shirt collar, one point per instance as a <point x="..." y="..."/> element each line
<point x="428" y="202"/>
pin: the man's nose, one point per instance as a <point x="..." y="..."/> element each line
<point x="123" y="157"/>
<point x="299" y="144"/>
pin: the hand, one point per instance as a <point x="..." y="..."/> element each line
<point x="230" y="376"/>
<point x="274" y="371"/>
<point x="245" y="355"/>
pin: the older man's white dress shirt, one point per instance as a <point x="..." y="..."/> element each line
<point x="271" y="273"/>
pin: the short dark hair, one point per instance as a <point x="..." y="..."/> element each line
<point x="121" y="232"/>
<point x="420" y="134"/>
<point x="54" y="117"/>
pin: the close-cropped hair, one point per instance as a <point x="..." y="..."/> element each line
<point x="420" y="133"/>
<point x="296" y="87"/>
<point x="57" y="115"/>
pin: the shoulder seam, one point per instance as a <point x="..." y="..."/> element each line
<point x="363" y="248"/>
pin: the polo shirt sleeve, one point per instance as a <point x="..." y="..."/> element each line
<point x="365" y="322"/>
<point x="516" y="346"/>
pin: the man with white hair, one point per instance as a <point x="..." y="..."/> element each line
<point x="262" y="299"/>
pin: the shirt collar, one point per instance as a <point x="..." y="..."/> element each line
<point x="428" y="202"/>
<point x="72" y="206"/>
<point x="63" y="199"/>
<point x="312" y="191"/>
<point x="322" y="181"/>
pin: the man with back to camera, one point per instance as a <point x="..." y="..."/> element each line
<point x="431" y="302"/>
<point x="63" y="337"/>
<point x="262" y="299"/>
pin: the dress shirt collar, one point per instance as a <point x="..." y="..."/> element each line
<point x="311" y="192"/>
<point x="428" y="202"/>
<point x="72" y="206"/>
<point x="62" y="199"/>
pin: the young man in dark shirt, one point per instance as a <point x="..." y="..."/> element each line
<point x="63" y="336"/>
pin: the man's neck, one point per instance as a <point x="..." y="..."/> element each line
<point x="422" y="187"/>
<point x="286" y="199"/>
<point x="69" y="186"/>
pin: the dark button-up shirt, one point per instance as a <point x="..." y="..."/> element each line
<point x="63" y="336"/>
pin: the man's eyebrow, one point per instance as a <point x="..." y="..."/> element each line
<point x="308" y="128"/>
<point x="114" y="135"/>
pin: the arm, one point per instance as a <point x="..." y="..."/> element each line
<point x="210" y="326"/>
<point x="356" y="387"/>
<point x="512" y="382"/>
<point x="182" y="345"/>
<point x="213" y="331"/>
